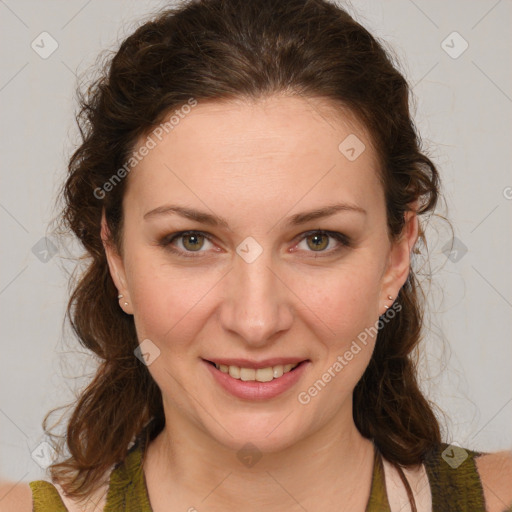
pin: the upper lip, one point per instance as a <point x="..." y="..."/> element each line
<point x="265" y="363"/>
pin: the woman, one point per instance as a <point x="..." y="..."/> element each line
<point x="250" y="188"/>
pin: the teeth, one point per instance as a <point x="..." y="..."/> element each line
<point x="259" y="375"/>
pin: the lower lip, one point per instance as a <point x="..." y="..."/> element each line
<point x="253" y="390"/>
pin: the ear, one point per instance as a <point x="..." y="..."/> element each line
<point x="399" y="259"/>
<point x="115" y="265"/>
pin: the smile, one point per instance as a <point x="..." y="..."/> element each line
<point x="260" y="375"/>
<point x="256" y="383"/>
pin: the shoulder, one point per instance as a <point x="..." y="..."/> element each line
<point x="21" y="497"/>
<point x="15" y="497"/>
<point x="495" y="470"/>
<point x="469" y="479"/>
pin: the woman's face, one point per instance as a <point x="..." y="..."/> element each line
<point x="259" y="286"/>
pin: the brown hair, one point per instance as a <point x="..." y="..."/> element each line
<point x="221" y="50"/>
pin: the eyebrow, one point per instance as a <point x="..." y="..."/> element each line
<point x="214" y="220"/>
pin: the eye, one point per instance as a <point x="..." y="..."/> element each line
<point x="318" y="241"/>
<point x="193" y="241"/>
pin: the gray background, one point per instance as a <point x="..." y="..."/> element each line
<point x="463" y="111"/>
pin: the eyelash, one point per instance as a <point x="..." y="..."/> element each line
<point x="340" y="237"/>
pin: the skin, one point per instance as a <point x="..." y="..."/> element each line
<point x="235" y="160"/>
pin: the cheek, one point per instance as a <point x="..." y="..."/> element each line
<point x="346" y="307"/>
<point x="346" y="314"/>
<point x="168" y="302"/>
<point x="346" y="301"/>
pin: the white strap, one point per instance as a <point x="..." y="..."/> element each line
<point x="397" y="494"/>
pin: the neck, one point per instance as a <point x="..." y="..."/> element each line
<point x="335" y="462"/>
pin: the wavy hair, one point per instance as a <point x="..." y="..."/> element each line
<point x="222" y="50"/>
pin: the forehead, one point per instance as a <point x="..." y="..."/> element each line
<point x="278" y="121"/>
<point x="269" y="146"/>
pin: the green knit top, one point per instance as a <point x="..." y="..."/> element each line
<point x="453" y="477"/>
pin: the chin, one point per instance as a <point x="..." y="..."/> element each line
<point x="268" y="433"/>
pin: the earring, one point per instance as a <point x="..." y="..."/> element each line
<point x="389" y="298"/>
<point x="120" y="296"/>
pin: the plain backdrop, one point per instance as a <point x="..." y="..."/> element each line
<point x="456" y="55"/>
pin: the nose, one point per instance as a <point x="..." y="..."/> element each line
<point x="256" y="305"/>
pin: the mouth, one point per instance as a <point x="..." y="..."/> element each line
<point x="256" y="381"/>
<point x="259" y="374"/>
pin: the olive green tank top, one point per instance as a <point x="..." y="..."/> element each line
<point x="453" y="489"/>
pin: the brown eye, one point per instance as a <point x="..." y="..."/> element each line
<point x="316" y="241"/>
<point x="186" y="243"/>
<point x="193" y="241"/>
<point x="319" y="242"/>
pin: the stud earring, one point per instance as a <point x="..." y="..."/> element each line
<point x="389" y="298"/>
<point x="120" y="296"/>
